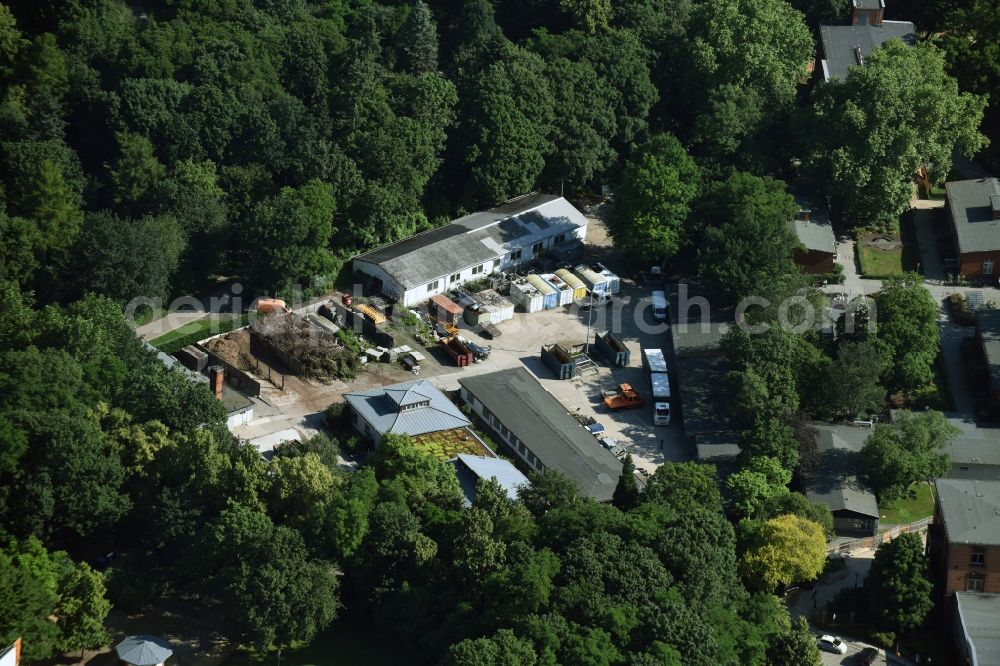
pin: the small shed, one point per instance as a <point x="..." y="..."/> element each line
<point x="579" y="288"/>
<point x="525" y="295"/>
<point x="550" y="296"/>
<point x="143" y="650"/>
<point x="564" y="290"/>
<point x="444" y="308"/>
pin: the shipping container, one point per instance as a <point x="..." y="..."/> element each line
<point x="659" y="382"/>
<point x="494" y="308"/>
<point x="558" y="361"/>
<point x="579" y="288"/>
<point x="595" y="282"/>
<point x="612" y="349"/>
<point x="564" y="290"/>
<point x="550" y="295"/>
<point x="526" y="296"/>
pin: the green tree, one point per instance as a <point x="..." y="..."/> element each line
<point x="852" y="383"/>
<point x="82" y="610"/>
<point x="898" y="113"/>
<point x="287" y="236"/>
<point x="54" y="207"/>
<point x="784" y="550"/>
<point x="907" y="324"/>
<point x="653" y="201"/>
<point x="420" y="46"/>
<point x="781" y="504"/>
<point x="29" y="582"/>
<point x="897" y="586"/>
<point x="135" y="172"/>
<point x="761" y="478"/>
<point x="796" y="646"/>
<point x="477" y="550"/>
<point x="683" y="487"/>
<point x="124" y="258"/>
<point x="750" y="243"/>
<point x="626" y="493"/>
<point x="502" y="649"/>
<point x="589" y="15"/>
<point x="909" y="450"/>
<point x="546" y="492"/>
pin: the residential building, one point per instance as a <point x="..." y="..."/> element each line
<point x="835" y="481"/>
<point x="535" y="427"/>
<point x="975" y="453"/>
<point x="850" y="41"/>
<point x="974" y="215"/>
<point x="471" y="247"/>
<point x="817" y="244"/>
<point x="964" y="541"/>
<point x="410" y="408"/>
<point x="470" y="469"/>
<point x="988" y="334"/>
<point x="977" y="628"/>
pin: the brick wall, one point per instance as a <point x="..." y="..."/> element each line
<point x="971" y="264"/>
<point x="959" y="565"/>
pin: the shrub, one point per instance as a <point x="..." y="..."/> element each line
<point x="335" y="413"/>
<point x="960" y="310"/>
<point x="883" y="639"/>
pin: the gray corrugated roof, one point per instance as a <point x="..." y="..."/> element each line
<point x="538" y="419"/>
<point x="979" y="615"/>
<point x="970" y="510"/>
<point x="988" y="324"/>
<point x="840" y="39"/>
<point x="717" y="447"/>
<point x="381" y="407"/>
<point x="969" y="203"/>
<point x="835" y="482"/>
<point x="475" y="239"/>
<point x="470" y="469"/>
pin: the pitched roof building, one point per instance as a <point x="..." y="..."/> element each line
<point x="974" y="213"/>
<point x="410" y="408"/>
<point x="836" y="484"/>
<point x="814" y="232"/>
<point x="535" y="426"/>
<point x="978" y="628"/>
<point x="470" y="469"/>
<point x="849" y="42"/>
<point x="416" y="268"/>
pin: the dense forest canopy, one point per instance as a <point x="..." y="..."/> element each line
<point x="150" y="148"/>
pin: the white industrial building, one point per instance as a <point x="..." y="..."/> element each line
<point x="471" y="247"/>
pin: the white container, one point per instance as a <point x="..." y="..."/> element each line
<point x="557" y="283"/>
<point x="526" y="296"/>
<point x="497" y="308"/>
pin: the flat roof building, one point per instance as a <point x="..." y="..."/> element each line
<point x="416" y="268"/>
<point x="470" y="469"/>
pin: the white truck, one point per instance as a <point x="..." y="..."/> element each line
<point x="659" y="305"/>
<point x="659" y="381"/>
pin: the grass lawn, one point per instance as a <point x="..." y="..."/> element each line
<point x="194" y="331"/>
<point x="342" y="643"/>
<point x="909" y="509"/>
<point x="446" y="444"/>
<point x="880" y="262"/>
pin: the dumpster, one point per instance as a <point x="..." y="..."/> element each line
<point x="559" y="361"/>
<point x="612" y="349"/>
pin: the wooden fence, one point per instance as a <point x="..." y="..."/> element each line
<point x="884" y="536"/>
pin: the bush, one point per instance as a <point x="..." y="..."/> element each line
<point x="960" y="310"/>
<point x="883" y="639"/>
<point x="353" y="444"/>
<point x="335" y="413"/>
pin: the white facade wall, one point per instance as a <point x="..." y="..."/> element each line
<point x="420" y="293"/>
<point x="502" y="433"/>
<point x="240" y="418"/>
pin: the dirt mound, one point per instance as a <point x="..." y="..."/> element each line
<point x="234" y="349"/>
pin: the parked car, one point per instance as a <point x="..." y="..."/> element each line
<point x="832" y="644"/>
<point x="868" y="656"/>
<point x="597" y="300"/>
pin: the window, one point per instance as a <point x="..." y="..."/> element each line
<point x="520" y="447"/>
<point x="504" y="432"/>
<point x="976" y="582"/>
<point x="537" y="248"/>
<point x="531" y="457"/>
<point x="988" y="267"/>
<point x="496" y="421"/>
<point x="434" y="285"/>
<point x="487" y="414"/>
<point x="978" y="556"/>
<point x="863" y="18"/>
<point x="538" y="465"/>
<point x="559" y="239"/>
<point x="516" y="255"/>
<point x="478" y="269"/>
<point x="455" y="277"/>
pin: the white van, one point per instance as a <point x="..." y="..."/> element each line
<point x="659" y="305"/>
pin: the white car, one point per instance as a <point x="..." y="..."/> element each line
<point x="832" y="644"/>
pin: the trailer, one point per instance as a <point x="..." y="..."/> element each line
<point x="550" y="295"/>
<point x="558" y="361"/>
<point x="575" y="283"/>
<point x="459" y="353"/>
<point x="612" y="349"/>
<point x="653" y="360"/>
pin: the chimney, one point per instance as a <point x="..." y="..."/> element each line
<point x="804" y="213"/>
<point x="995" y="206"/>
<point x="217" y="380"/>
<point x="867" y="12"/>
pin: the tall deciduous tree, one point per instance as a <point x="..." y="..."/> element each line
<point x="761" y="478"/>
<point x="796" y="646"/>
<point x="288" y="236"/>
<point x="871" y="132"/>
<point x="654" y="199"/>
<point x="82" y="610"/>
<point x="898" y="586"/>
<point x="907" y="324"/>
<point x="785" y="550"/>
<point x="910" y="449"/>
<point x="852" y="384"/>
